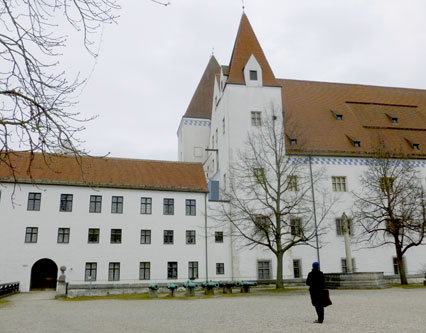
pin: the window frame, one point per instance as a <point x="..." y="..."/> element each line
<point x="172" y="270"/>
<point x="32" y="232"/>
<point x="339" y="184"/>
<point x="344" y="265"/>
<point x="145" y="270"/>
<point x="292" y="183"/>
<point x="168" y="237"/>
<point x="339" y="226"/>
<point x="220" y="268"/>
<point x="253" y="75"/>
<point x="146" y="205"/>
<point x="95" y="204"/>
<point x="190" y="237"/>
<point x="90" y="268"/>
<point x="146" y="236"/>
<point x="34" y="201"/>
<point x="218" y="236"/>
<point x="263" y="272"/>
<point x="256" y="118"/>
<point x="65" y="203"/>
<point x="116" y="204"/>
<point x="190" y="207"/>
<point x="116" y="236"/>
<point x="297" y="268"/>
<point x="63" y="236"/>
<point x="114" y="271"/>
<point x="192" y="270"/>
<point x="91" y="233"/>
<point x="296" y="228"/>
<point x="168" y="206"/>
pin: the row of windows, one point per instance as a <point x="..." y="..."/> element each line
<point x="145" y="270"/>
<point x="31" y="235"/>
<point x="95" y="204"/>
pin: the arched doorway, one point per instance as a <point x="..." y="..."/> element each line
<point x="44" y="274"/>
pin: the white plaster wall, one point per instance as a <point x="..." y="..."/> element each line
<point x="193" y="133"/>
<point x="17" y="257"/>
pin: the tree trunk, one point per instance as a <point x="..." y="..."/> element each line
<point x="279" y="283"/>
<point x="401" y="267"/>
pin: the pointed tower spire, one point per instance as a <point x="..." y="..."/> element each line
<point x="201" y="103"/>
<point x="247" y="44"/>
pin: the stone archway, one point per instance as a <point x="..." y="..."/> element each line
<point x="44" y="274"/>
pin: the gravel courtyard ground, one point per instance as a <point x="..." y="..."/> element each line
<point x="388" y="310"/>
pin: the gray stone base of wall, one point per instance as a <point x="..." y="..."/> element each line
<point x="370" y="280"/>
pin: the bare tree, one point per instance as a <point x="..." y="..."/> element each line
<point x="391" y="208"/>
<point x="35" y="92"/>
<point x="268" y="200"/>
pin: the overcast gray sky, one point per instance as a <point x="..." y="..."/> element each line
<point x="151" y="62"/>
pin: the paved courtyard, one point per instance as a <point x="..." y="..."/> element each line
<point x="389" y="310"/>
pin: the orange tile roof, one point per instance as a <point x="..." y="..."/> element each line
<point x="245" y="45"/>
<point x="202" y="102"/>
<point x="105" y="172"/>
<point x="366" y="111"/>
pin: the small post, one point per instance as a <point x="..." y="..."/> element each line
<point x="346" y="228"/>
<point x="61" y="287"/>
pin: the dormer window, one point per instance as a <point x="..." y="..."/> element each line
<point x="356" y="143"/>
<point x="416" y="146"/>
<point x="293" y="142"/>
<point x="394" y="120"/>
<point x="336" y="115"/>
<point x="253" y="75"/>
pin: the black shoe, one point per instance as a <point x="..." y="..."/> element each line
<point x="318" y="322"/>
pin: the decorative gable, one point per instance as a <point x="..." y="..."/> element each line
<point x="253" y="73"/>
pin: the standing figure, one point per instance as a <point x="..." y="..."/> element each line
<point x="315" y="281"/>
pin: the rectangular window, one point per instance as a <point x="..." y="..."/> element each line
<point x="63" y="235"/>
<point x="115" y="236"/>
<point x="144" y="270"/>
<point x="95" y="204"/>
<point x="297" y="269"/>
<point x="31" y="235"/>
<point x="259" y="175"/>
<point x="117" y="205"/>
<point x="146" y="205"/>
<point x="168" y="236"/>
<point x="223" y="125"/>
<point x="218" y="236"/>
<point x="296" y="227"/>
<point x="172" y="270"/>
<point x="220" y="268"/>
<point x="93" y="235"/>
<point x="145" y="236"/>
<point x="217" y="136"/>
<point x="190" y="207"/>
<point x="114" y="271"/>
<point x="345" y="266"/>
<point x="253" y="75"/>
<point x="193" y="270"/>
<point x="256" y="119"/>
<point x="339" y="227"/>
<point x="66" y="203"/>
<point x="292" y="183"/>
<point x="190" y="237"/>
<point x="168" y="206"/>
<point x="34" y="200"/>
<point x="339" y="184"/>
<point x="90" y="272"/>
<point x="263" y="270"/>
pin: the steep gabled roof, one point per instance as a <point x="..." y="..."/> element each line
<point x="309" y="109"/>
<point x="202" y="102"/>
<point x="104" y="172"/>
<point x="245" y="45"/>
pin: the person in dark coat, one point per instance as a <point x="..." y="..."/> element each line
<point x="315" y="281"/>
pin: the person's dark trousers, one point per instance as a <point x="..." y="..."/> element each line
<point x="320" y="313"/>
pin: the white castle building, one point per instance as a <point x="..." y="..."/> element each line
<point x="338" y="125"/>
<point x="116" y="221"/>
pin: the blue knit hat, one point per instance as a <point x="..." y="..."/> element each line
<point x="315" y="264"/>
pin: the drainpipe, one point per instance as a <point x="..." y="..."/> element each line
<point x="205" y="231"/>
<point x="314" y="208"/>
